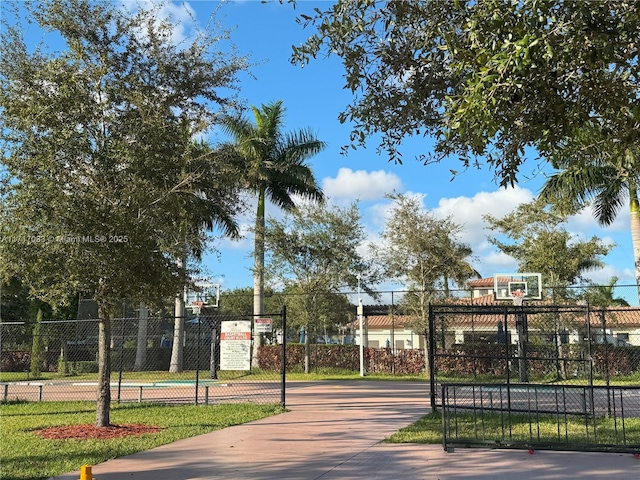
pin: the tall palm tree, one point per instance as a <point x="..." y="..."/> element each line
<point x="276" y="169"/>
<point x="458" y="266"/>
<point x="600" y="175"/>
<point x="206" y="199"/>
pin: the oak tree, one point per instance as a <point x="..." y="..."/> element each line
<point x="484" y="79"/>
<point x="314" y="253"/>
<point x="97" y="140"/>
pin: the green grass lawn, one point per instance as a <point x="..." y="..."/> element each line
<point x="24" y="455"/>
<point x="316" y="374"/>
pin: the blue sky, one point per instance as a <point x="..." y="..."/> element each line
<point x="314" y="96"/>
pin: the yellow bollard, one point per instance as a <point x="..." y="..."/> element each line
<point x="85" y="473"/>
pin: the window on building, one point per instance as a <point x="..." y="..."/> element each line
<point x="623" y="339"/>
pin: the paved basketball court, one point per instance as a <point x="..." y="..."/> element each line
<point x="333" y="431"/>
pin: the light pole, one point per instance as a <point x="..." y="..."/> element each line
<point x="360" y="329"/>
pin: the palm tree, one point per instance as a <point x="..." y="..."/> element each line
<point x="601" y="175"/>
<point x="208" y="199"/>
<point x="458" y="267"/>
<point x="275" y="169"/>
<point x="603" y="295"/>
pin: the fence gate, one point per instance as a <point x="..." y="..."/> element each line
<point x="539" y="416"/>
<point x="535" y="376"/>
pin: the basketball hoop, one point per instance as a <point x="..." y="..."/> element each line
<point x="518" y="297"/>
<point x="196" y="306"/>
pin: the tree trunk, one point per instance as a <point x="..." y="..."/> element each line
<point x="521" y="326"/>
<point x="178" y="330"/>
<point x="258" y="273"/>
<point x="307" y="352"/>
<point x="424" y="319"/>
<point x="62" y="359"/>
<point x="141" y="345"/>
<point x="634" y="210"/>
<point x="36" y="347"/>
<point x="103" y="406"/>
<point x="427" y="365"/>
<point x="178" y="336"/>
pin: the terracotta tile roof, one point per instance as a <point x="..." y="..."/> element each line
<point x="481" y="283"/>
<point x="384" y="322"/>
<point x="620" y="317"/>
<point x="483" y="300"/>
<point x="487" y="282"/>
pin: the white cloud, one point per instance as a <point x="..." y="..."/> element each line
<point x="497" y="262"/>
<point x="376" y="215"/>
<point x="360" y="184"/>
<point x="468" y="211"/>
<point x="181" y="17"/>
<point x="585" y="221"/>
<point x="603" y="275"/>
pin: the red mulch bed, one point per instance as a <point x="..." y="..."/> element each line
<point x="87" y="431"/>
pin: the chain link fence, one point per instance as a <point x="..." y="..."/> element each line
<point x="539" y="416"/>
<point x="572" y="344"/>
<point x="577" y="344"/>
<point x="57" y="360"/>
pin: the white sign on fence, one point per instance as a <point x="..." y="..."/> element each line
<point x="263" y="325"/>
<point x="235" y="345"/>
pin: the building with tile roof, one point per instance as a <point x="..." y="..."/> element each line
<point x="619" y="326"/>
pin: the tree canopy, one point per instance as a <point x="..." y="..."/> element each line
<point x="98" y="144"/>
<point x="421" y="250"/>
<point x="317" y="246"/>
<point x="536" y="237"/>
<point x="424" y="253"/>
<point x="485" y="79"/>
<point x="604" y="295"/>
<point x="314" y="253"/>
<point x="239" y="301"/>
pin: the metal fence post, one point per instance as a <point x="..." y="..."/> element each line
<point x="507" y="354"/>
<point x="432" y="356"/>
<point x="603" y="319"/>
<point x="284" y="356"/>
<point x="444" y="417"/>
<point x="590" y="358"/>
<point x="121" y="359"/>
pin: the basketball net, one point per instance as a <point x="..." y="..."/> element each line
<point x="196" y="306"/>
<point x="518" y="297"/>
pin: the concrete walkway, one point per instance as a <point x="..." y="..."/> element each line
<point x="333" y="431"/>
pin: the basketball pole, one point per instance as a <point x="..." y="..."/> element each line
<point x="360" y="308"/>
<point x="521" y="328"/>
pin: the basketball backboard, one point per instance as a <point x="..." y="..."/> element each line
<point x="205" y="294"/>
<point x="505" y="284"/>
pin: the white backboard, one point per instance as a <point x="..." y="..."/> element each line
<point x="205" y="292"/>
<point x="504" y="284"/>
